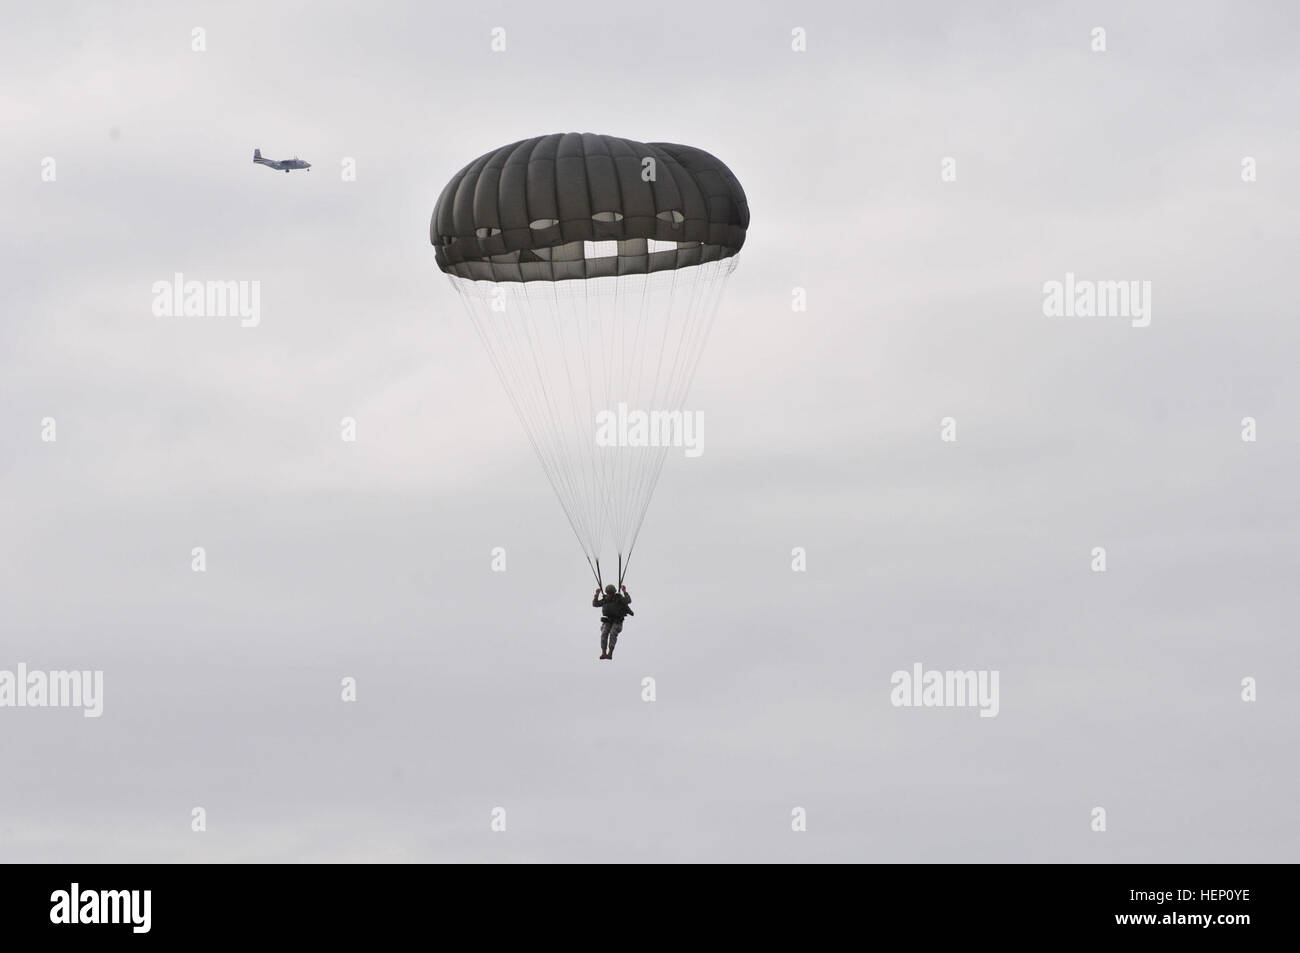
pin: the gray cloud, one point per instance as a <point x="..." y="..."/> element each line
<point x="480" y="689"/>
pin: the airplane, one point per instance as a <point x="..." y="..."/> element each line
<point x="282" y="164"/>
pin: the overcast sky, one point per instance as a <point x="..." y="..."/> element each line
<point x="477" y="690"/>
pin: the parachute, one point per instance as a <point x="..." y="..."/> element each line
<point x="592" y="267"/>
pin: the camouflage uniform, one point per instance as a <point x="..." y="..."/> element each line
<point x="614" y="609"/>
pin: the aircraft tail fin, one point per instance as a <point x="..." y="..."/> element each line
<point x="257" y="154"/>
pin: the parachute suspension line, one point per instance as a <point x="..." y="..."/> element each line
<point x="594" y="571"/>
<point x="643" y="401"/>
<point x="583" y="324"/>
<point x="640" y="460"/>
<point x="567" y="349"/>
<point x="639" y="351"/>
<point x="558" y="432"/>
<point x="702" y="327"/>
<point x="519" y="319"/>
<point x="578" y="436"/>
<point x="611" y="313"/>
<point x="714" y="283"/>
<point x="576" y="473"/>
<point x="607" y="317"/>
<point x="512" y="379"/>
<point x="617" y="371"/>
<point x="670" y="400"/>
<point x="582" y="316"/>
<point x="582" y="339"/>
<point x="652" y="460"/>
<point x="620" y="392"/>
<point x="571" y="439"/>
